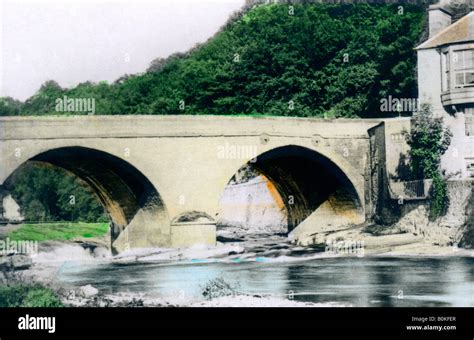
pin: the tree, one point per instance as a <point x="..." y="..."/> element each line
<point x="43" y="101"/>
<point x="51" y="194"/>
<point x="428" y="141"/>
<point x="157" y="65"/>
<point x="10" y="106"/>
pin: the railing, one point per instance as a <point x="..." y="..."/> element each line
<point x="469" y="122"/>
<point x="410" y="190"/>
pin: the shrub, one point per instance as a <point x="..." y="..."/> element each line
<point x="218" y="288"/>
<point x="24" y="295"/>
<point x="439" y="197"/>
<point x="428" y="141"/>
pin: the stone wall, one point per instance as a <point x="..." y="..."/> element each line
<point x="448" y="229"/>
<point x="389" y="152"/>
<point x="467" y="239"/>
<point x="255" y="206"/>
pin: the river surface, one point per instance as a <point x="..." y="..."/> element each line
<point x="347" y="281"/>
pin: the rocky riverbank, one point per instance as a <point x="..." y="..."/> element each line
<point x="233" y="246"/>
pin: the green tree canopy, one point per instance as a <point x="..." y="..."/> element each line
<point x="52" y="194"/>
<point x="322" y="58"/>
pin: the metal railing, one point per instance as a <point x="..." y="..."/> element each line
<point x="410" y="190"/>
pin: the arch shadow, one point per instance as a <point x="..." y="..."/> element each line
<point x="305" y="180"/>
<point x="123" y="190"/>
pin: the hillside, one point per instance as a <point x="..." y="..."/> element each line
<point x="334" y="60"/>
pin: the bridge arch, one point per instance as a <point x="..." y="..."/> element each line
<point x="309" y="183"/>
<point x="129" y="198"/>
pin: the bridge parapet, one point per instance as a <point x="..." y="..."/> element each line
<point x="140" y="126"/>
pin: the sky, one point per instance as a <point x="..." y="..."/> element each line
<point x="72" y="41"/>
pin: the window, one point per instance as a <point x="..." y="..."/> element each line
<point x="445" y="71"/>
<point x="463" y="67"/>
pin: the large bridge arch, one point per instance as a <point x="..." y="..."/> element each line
<point x="138" y="214"/>
<point x="313" y="187"/>
<point x="332" y="154"/>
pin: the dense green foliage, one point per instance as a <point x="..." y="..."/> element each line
<point x="23" y="295"/>
<point x="321" y="59"/>
<point x="10" y="106"/>
<point x="428" y="141"/>
<point x="58" y="231"/>
<point x="439" y="197"/>
<point x="52" y="194"/>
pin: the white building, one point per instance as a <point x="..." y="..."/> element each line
<point x="446" y="81"/>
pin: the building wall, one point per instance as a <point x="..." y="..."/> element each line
<point x="453" y="161"/>
<point x="429" y="80"/>
<point x="429" y="87"/>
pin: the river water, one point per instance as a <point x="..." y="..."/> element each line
<point x="346" y="281"/>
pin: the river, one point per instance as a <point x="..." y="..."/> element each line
<point x="345" y="281"/>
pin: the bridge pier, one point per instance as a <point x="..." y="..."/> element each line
<point x="193" y="228"/>
<point x="149" y="228"/>
<point x="189" y="234"/>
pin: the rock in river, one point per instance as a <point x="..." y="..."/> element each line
<point x="88" y="291"/>
<point x="21" y="262"/>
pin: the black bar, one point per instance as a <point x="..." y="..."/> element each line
<point x="213" y="323"/>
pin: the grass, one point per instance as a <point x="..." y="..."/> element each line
<point x="23" y="295"/>
<point x="58" y="231"/>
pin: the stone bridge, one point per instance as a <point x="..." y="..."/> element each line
<point x="160" y="178"/>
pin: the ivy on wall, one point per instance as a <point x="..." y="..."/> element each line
<point x="428" y="141"/>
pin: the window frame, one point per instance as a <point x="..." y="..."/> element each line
<point x="463" y="70"/>
<point x="448" y="70"/>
